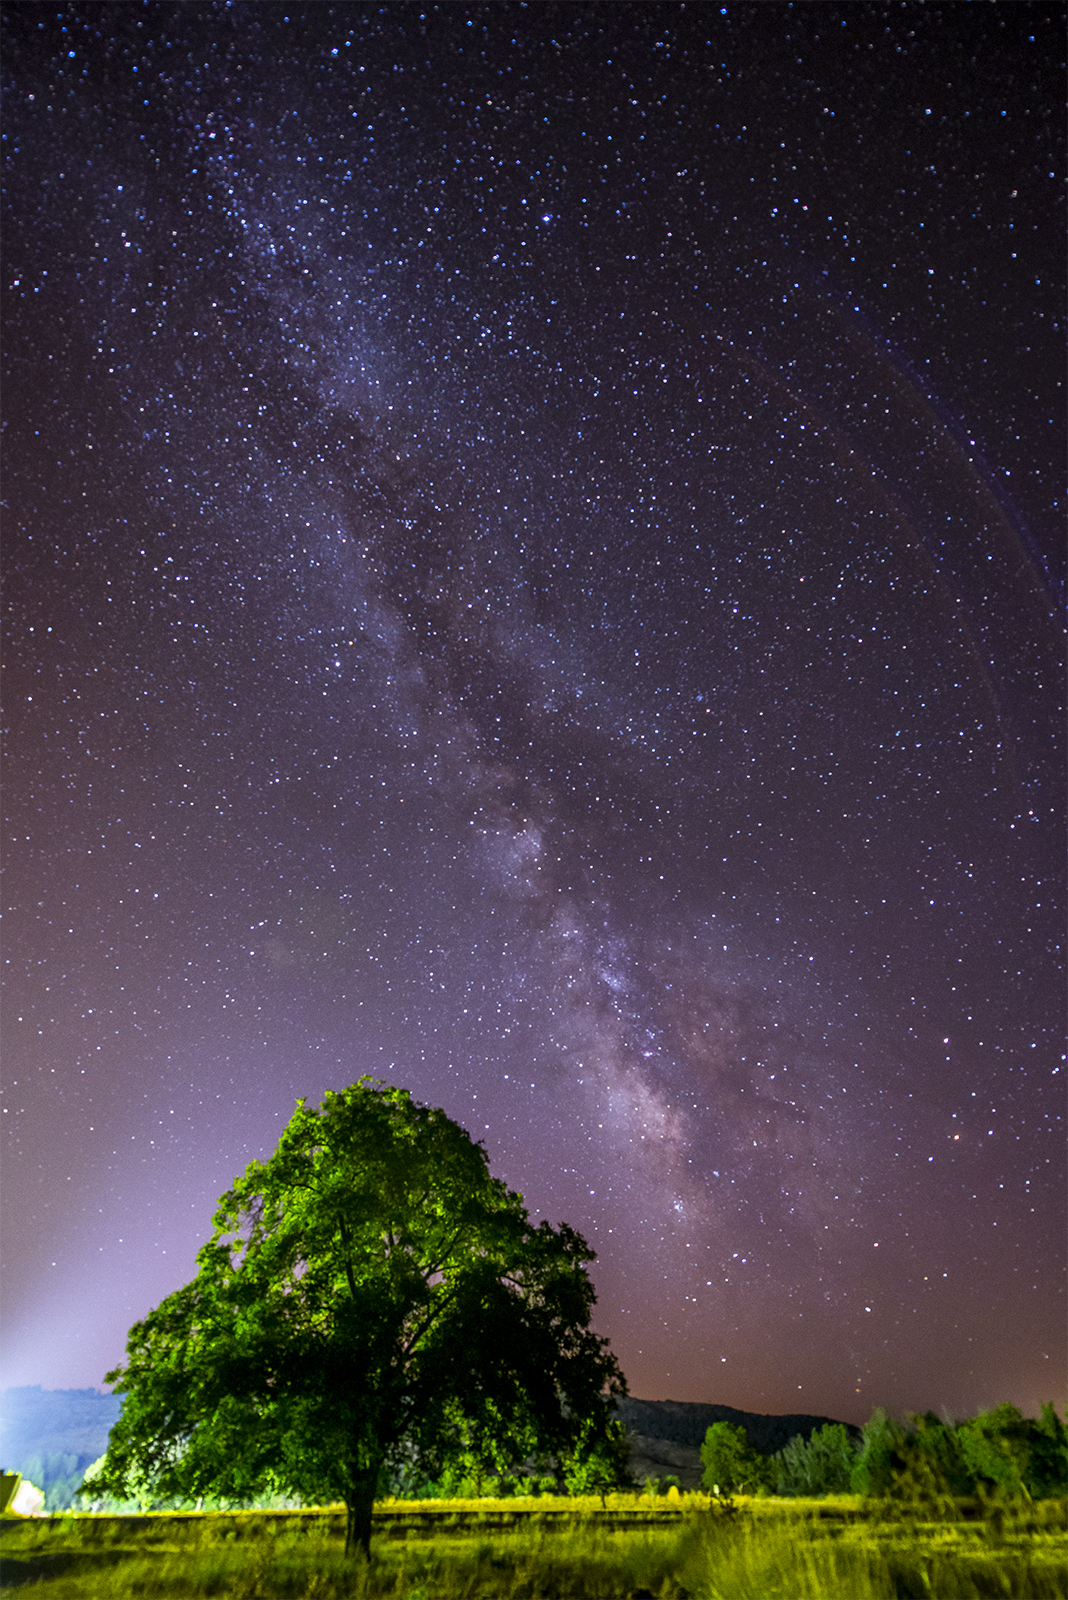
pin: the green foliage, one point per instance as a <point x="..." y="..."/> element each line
<point x="821" y="1464"/>
<point x="661" y="1486"/>
<point x="371" y="1300"/>
<point x="934" y="1464"/>
<point x="537" y="1486"/>
<point x="873" y="1471"/>
<point x="996" y="1447"/>
<point x="920" y="1461"/>
<point x="94" y="1493"/>
<point x="930" y="1460"/>
<point x="1047" y="1468"/>
<point x="600" y="1460"/>
<point x="1016" y="1455"/>
<point x="732" y="1465"/>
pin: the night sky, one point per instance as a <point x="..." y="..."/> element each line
<point x="533" y="541"/>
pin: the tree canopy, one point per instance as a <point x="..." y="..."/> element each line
<point x="821" y="1464"/>
<point x="370" y="1298"/>
<point x="998" y="1452"/>
<point x="732" y="1465"/>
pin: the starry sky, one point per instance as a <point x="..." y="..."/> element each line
<point x="533" y="572"/>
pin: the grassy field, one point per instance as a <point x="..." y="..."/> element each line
<point x="834" y="1549"/>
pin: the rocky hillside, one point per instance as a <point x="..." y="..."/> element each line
<point x="666" y="1435"/>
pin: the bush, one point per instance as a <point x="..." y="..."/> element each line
<point x="661" y="1486"/>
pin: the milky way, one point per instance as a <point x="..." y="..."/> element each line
<point x="532" y="573"/>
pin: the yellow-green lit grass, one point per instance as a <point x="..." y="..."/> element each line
<point x="841" y="1549"/>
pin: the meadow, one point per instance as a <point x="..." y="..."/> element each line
<point x="632" y="1547"/>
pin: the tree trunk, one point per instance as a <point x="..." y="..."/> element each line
<point x="359" y="1504"/>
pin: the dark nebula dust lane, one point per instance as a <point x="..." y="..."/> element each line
<point x="533" y="572"/>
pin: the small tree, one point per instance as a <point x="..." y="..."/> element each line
<point x="732" y="1465"/>
<point x="601" y="1462"/>
<point x="370" y="1298"/>
<point x="821" y="1464"/>
<point x="881" y="1455"/>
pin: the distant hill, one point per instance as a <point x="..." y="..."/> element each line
<point x="52" y="1435"/>
<point x="665" y="1435"/>
<point x="687" y="1422"/>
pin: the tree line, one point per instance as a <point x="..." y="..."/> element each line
<point x="925" y="1458"/>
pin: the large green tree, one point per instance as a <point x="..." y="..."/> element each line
<point x="370" y="1298"/>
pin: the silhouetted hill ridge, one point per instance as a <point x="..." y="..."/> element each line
<point x="686" y="1422"/>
